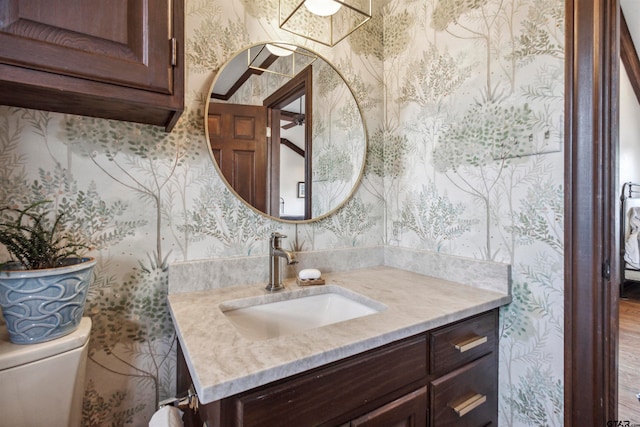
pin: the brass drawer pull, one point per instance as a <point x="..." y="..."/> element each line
<point x="469" y="405"/>
<point x="470" y="343"/>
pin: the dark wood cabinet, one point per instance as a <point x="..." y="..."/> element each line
<point x="115" y="59"/>
<point x="464" y="373"/>
<point x="444" y="377"/>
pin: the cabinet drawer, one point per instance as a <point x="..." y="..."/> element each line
<point x="408" y="411"/>
<point x="467" y="397"/>
<point x="455" y="345"/>
<point x="324" y="394"/>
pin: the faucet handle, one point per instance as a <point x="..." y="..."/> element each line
<point x="275" y="239"/>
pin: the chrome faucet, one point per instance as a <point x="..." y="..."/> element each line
<point x="275" y="253"/>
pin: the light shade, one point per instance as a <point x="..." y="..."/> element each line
<point x="332" y="21"/>
<point x="322" y="7"/>
<point x="281" y="49"/>
<point x="279" y="58"/>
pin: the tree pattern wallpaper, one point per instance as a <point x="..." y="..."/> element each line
<point x="463" y="107"/>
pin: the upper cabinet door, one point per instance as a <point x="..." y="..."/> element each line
<point x="125" y="44"/>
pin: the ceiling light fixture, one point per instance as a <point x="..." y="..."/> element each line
<point x="278" y="58"/>
<point x="281" y="49"/>
<point x="324" y="21"/>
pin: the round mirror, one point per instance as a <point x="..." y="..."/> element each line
<point x="285" y="132"/>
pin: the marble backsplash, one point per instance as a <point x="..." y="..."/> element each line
<point x="223" y="272"/>
<point x="492" y="276"/>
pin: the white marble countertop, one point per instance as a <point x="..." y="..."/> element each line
<point x="222" y="362"/>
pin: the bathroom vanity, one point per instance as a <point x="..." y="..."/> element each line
<point x="427" y="356"/>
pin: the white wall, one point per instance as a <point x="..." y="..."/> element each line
<point x="291" y="172"/>
<point x="629" y="131"/>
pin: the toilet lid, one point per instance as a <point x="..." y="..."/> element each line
<point x="12" y="355"/>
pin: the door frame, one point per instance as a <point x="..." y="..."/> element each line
<point x="591" y="180"/>
<point x="301" y="84"/>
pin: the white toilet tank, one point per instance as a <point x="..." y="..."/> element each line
<point x="43" y="384"/>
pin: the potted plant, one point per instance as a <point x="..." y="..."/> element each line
<point x="43" y="288"/>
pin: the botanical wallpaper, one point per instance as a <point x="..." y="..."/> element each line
<point x="471" y="144"/>
<point x="462" y="103"/>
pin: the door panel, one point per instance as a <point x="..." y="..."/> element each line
<point x="237" y="134"/>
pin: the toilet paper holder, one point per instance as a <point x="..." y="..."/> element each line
<point x="182" y="401"/>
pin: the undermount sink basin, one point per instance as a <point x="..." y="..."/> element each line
<point x="287" y="313"/>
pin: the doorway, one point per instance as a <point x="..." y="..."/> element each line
<point x="591" y="181"/>
<point x="289" y="107"/>
<point x="629" y="331"/>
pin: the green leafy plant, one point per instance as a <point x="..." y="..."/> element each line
<point x="31" y="239"/>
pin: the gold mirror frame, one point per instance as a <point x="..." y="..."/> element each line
<point x="358" y="170"/>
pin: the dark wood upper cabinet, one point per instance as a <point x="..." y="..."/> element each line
<point x="115" y="59"/>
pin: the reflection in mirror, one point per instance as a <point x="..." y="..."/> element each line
<point x="285" y="132"/>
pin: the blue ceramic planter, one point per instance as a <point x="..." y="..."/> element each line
<point x="42" y="305"/>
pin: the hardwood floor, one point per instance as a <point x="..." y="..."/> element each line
<point x="629" y="360"/>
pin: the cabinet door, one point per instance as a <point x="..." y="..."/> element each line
<point x="114" y="59"/>
<point x="121" y="42"/>
<point x="408" y="411"/>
